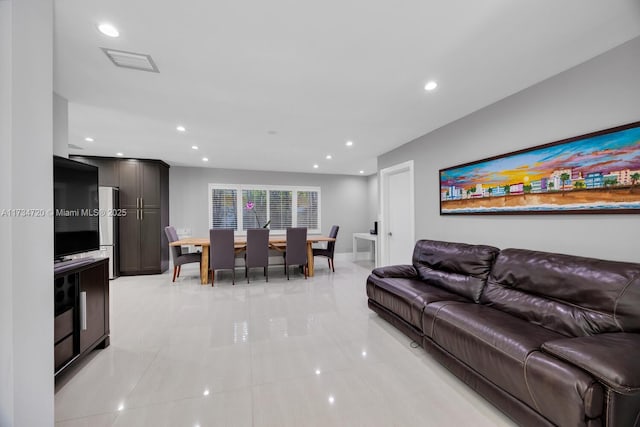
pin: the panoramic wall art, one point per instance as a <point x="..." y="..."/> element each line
<point x="594" y="173"/>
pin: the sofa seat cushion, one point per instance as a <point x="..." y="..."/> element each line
<point x="506" y="351"/>
<point x="493" y="343"/>
<point x="407" y="297"/>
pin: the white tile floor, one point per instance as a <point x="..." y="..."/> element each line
<point x="283" y="353"/>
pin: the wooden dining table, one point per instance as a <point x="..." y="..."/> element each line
<point x="275" y="241"/>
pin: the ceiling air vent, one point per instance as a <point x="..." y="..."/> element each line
<point x="136" y="61"/>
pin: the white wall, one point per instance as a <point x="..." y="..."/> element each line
<point x="60" y="126"/>
<point x="598" y="94"/>
<point x="26" y="257"/>
<point x="6" y="259"/>
<point x="344" y="198"/>
<point x="372" y="182"/>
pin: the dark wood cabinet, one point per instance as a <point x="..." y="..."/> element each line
<point x="140" y="250"/>
<point x="140" y="184"/>
<point x="94" y="288"/>
<point x="81" y="301"/>
<point x="129" y="186"/>
<point x="144" y="193"/>
<point x="108" y="175"/>
<point x="150" y="180"/>
<point x="130" y="246"/>
<point x="150" y="238"/>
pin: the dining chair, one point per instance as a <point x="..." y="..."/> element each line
<point x="329" y="250"/>
<point x="257" y="252"/>
<point x="222" y="254"/>
<point x="178" y="257"/>
<point x="296" y="253"/>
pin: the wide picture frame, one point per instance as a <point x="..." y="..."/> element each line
<point x="596" y="173"/>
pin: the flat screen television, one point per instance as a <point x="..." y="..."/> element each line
<point x="75" y="203"/>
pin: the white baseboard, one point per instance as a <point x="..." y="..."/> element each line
<point x="360" y="256"/>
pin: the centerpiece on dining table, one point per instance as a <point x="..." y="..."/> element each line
<point x="250" y="206"/>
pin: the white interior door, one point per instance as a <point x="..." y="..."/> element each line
<point x="398" y="237"/>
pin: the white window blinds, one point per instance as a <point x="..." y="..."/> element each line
<point x="307" y="213"/>
<point x="252" y="206"/>
<point x="254" y="209"/>
<point x="223" y="212"/>
<point x="280" y="206"/>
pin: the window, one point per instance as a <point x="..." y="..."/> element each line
<point x="280" y="203"/>
<point x="307" y="212"/>
<point x="252" y="206"/>
<point x="223" y="208"/>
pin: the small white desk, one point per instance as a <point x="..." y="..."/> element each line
<point x="373" y="238"/>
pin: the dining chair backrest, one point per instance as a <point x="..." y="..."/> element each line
<point x="296" y="246"/>
<point x="222" y="254"/>
<point x="172" y="236"/>
<point x="334" y="234"/>
<point x="257" y="247"/>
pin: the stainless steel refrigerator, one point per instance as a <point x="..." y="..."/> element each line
<point x="109" y="201"/>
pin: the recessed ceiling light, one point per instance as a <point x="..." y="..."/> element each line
<point x="348" y="143"/>
<point x="89" y="139"/>
<point x="181" y="128"/>
<point x="329" y="157"/>
<point x="204" y="159"/>
<point x="194" y="147"/>
<point x="108" y="30"/>
<point x="119" y="154"/>
<point x="316" y="166"/>
<point x="361" y="171"/>
<point x="430" y="86"/>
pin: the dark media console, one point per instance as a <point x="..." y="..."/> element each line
<point x="81" y="301"/>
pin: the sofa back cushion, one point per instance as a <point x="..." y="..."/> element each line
<point x="457" y="267"/>
<point x="572" y="295"/>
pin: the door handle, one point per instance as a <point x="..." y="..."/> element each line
<point x="390" y="234"/>
<point x="83" y="311"/>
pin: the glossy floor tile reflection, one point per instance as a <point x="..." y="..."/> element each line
<point x="283" y="353"/>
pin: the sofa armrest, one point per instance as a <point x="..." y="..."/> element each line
<point x="396" y="271"/>
<point x="612" y="358"/>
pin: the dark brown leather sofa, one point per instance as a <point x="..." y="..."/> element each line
<point x="549" y="339"/>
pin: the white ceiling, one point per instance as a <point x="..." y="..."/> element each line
<point x="315" y="73"/>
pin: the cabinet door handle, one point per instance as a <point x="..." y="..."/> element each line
<point x="83" y="310"/>
<point x="141" y="203"/>
<point x="141" y="214"/>
<point x="137" y="202"/>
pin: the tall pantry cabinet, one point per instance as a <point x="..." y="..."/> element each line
<point x="144" y="193"/>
